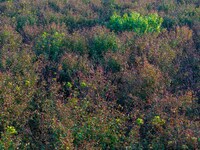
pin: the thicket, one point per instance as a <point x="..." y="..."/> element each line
<point x="99" y="74"/>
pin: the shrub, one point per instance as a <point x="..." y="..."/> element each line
<point x="169" y="22"/>
<point x="23" y="20"/>
<point x="113" y="65"/>
<point x="50" y="45"/>
<point x="101" y="43"/>
<point x="139" y="121"/>
<point x="158" y="121"/>
<point x="6" y="141"/>
<point x="136" y="22"/>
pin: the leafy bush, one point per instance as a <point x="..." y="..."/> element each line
<point x="169" y="22"/>
<point x="50" y="45"/>
<point x="6" y="141"/>
<point x="102" y="43"/>
<point x="136" y="22"/>
<point x="93" y="130"/>
<point x="23" y="20"/>
<point x="113" y="65"/>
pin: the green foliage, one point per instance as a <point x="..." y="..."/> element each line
<point x="50" y="45"/>
<point x="54" y="6"/>
<point x="169" y="22"/>
<point x="136" y="22"/>
<point x="102" y="43"/>
<point x="140" y="121"/>
<point x="158" y="121"/>
<point x="23" y="20"/>
<point x="11" y="130"/>
<point x="83" y="84"/>
<point x="113" y="65"/>
<point x="6" y="141"/>
<point x="106" y="134"/>
<point x="69" y="85"/>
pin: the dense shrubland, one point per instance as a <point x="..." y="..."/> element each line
<point x="99" y="74"/>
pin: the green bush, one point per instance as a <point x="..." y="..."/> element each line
<point x="113" y="65"/>
<point x="169" y="22"/>
<point x="23" y="20"/>
<point x="50" y="45"/>
<point x="107" y="134"/>
<point x="102" y="43"/>
<point x="53" y="5"/>
<point x="136" y="22"/>
<point x="6" y="141"/>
